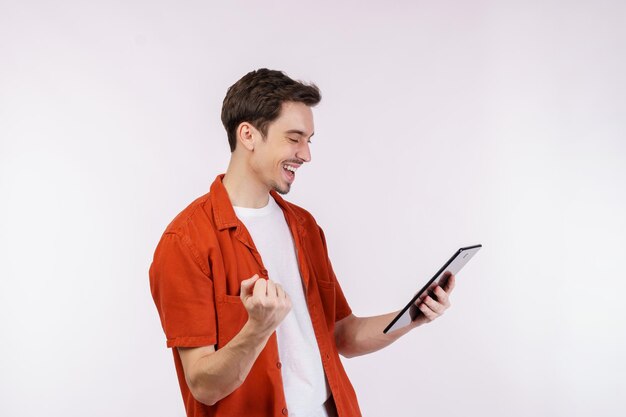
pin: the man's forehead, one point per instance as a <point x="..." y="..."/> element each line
<point x="295" y="118"/>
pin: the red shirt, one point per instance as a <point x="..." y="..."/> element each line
<point x="195" y="279"/>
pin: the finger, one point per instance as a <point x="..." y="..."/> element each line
<point x="442" y="296"/>
<point x="435" y="306"/>
<point x="260" y="288"/>
<point x="428" y="313"/>
<point x="420" y="299"/>
<point x="283" y="296"/>
<point x="431" y="290"/>
<point x="280" y="292"/>
<point x="247" y="285"/>
<point x="422" y="296"/>
<point x="271" y="288"/>
<point x="450" y="283"/>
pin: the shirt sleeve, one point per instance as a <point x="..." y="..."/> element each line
<point x="182" y="290"/>
<point x="342" y="308"/>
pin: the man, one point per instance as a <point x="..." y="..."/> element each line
<point x="242" y="281"/>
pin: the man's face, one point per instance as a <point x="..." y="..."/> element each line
<point x="276" y="159"/>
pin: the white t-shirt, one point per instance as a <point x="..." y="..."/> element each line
<point x="304" y="381"/>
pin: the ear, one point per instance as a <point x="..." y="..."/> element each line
<point x="247" y="135"/>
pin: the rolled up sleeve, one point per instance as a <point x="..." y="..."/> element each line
<point x="182" y="290"/>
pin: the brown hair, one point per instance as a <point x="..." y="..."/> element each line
<point x="257" y="98"/>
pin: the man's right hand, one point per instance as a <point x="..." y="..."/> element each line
<point x="213" y="374"/>
<point x="266" y="302"/>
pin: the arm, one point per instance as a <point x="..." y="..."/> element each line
<point x="212" y="375"/>
<point x="357" y="336"/>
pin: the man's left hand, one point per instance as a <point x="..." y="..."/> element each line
<point x="432" y="308"/>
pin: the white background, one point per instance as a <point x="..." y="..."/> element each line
<point x="442" y="124"/>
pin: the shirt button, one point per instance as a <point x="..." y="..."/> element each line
<point x="285" y="411"/>
<point x="327" y="356"/>
<point x="279" y="365"/>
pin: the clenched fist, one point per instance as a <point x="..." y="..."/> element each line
<point x="266" y="302"/>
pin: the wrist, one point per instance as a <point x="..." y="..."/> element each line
<point x="256" y="332"/>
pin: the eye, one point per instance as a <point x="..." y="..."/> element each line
<point x="292" y="140"/>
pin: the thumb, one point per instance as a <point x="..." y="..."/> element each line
<point x="247" y="286"/>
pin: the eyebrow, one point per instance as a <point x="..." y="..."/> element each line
<point x="299" y="132"/>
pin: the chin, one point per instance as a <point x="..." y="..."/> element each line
<point x="281" y="190"/>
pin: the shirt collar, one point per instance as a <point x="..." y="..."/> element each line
<point x="223" y="211"/>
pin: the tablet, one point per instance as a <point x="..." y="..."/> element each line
<point x="453" y="266"/>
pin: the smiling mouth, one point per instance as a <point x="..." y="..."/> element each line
<point x="290" y="172"/>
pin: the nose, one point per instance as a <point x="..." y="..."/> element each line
<point x="304" y="152"/>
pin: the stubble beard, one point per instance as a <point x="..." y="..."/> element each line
<point x="276" y="186"/>
<point x="280" y="190"/>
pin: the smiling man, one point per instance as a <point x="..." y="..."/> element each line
<point x="242" y="281"/>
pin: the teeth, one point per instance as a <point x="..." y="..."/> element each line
<point x="289" y="168"/>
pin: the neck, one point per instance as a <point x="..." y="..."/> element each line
<point x="243" y="188"/>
